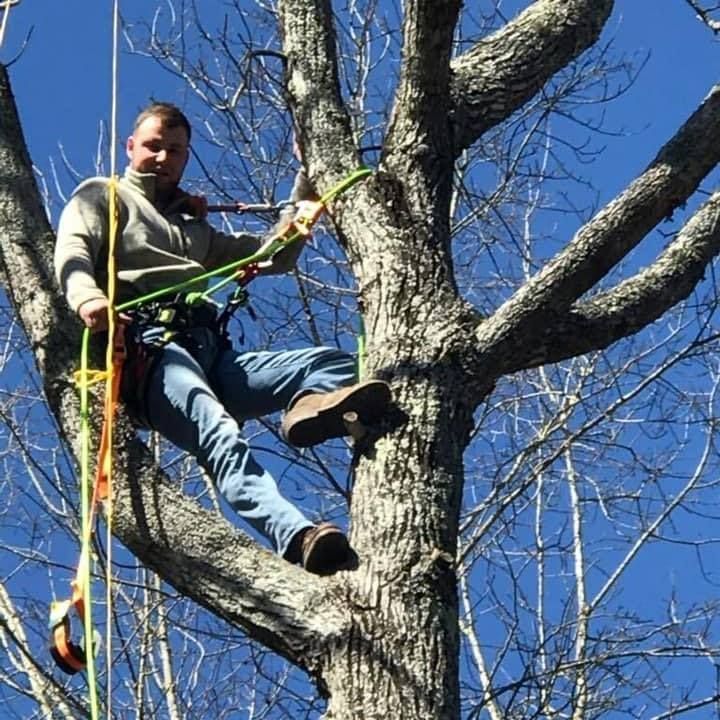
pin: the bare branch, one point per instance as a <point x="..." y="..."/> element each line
<point x="641" y="299"/>
<point x="503" y="71"/>
<point x="704" y="15"/>
<point x="542" y="306"/>
<point x="321" y="119"/>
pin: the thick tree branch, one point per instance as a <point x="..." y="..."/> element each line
<point x="209" y="560"/>
<point x="418" y="145"/>
<point x="321" y="119"/>
<point x="196" y="551"/>
<point x="639" y="300"/>
<point x="502" y="72"/>
<point x="667" y="183"/>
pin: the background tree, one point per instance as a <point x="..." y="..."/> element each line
<point x="557" y="436"/>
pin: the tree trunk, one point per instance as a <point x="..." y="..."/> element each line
<point x="400" y="657"/>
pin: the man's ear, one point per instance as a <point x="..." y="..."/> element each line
<point x="129" y="145"/>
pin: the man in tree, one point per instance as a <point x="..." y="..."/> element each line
<point x="183" y="377"/>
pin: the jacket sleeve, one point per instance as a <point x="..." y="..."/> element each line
<point x="81" y="240"/>
<point x="226" y="248"/>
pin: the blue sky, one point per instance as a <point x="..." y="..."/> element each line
<point x="61" y="82"/>
<point x="682" y="67"/>
<point x="62" y="79"/>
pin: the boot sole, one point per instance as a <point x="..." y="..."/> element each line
<point x="369" y="400"/>
<point x="328" y="553"/>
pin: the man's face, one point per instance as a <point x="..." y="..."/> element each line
<point x="154" y="148"/>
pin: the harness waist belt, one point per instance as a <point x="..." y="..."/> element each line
<point x="176" y="314"/>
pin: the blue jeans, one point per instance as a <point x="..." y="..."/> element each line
<point x="200" y="392"/>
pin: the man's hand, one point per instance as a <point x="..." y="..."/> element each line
<point x="94" y="313"/>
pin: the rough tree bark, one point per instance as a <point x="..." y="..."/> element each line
<point x="382" y="641"/>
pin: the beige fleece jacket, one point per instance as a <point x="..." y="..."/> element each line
<point x="156" y="247"/>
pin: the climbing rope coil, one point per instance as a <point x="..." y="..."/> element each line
<point x="71" y="656"/>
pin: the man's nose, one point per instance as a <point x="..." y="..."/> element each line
<point x="161" y="156"/>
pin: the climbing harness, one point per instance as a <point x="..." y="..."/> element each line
<point x="152" y="326"/>
<point x="239" y="299"/>
<point x="176" y="309"/>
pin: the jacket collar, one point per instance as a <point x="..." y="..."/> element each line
<point x="145" y="184"/>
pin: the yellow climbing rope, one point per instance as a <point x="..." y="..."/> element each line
<point x="70" y="656"/>
<point x="113" y="363"/>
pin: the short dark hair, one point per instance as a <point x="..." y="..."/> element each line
<point x="170" y="114"/>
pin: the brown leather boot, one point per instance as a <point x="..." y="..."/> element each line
<point x="321" y="549"/>
<point x="317" y="417"/>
